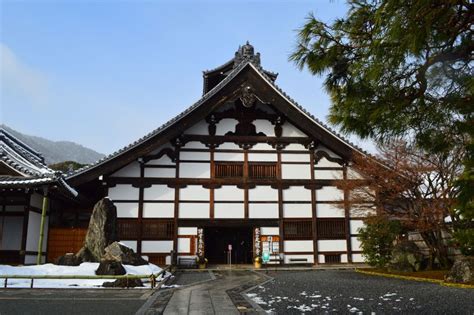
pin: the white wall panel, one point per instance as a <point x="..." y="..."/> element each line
<point x="355" y="225"/>
<point x="184" y="245"/>
<point x="200" y="156"/>
<point x="295" y="147"/>
<point x="357" y="258"/>
<point x="228" y="193"/>
<point x="265" y="126"/>
<point x="131" y="170"/>
<point x="12" y="233"/>
<point x="158" y="210"/>
<point x="270" y="231"/>
<point x="301" y="210"/>
<point x="263" y="193"/>
<point x="195" y="170"/>
<point x="329" y="193"/>
<point x="36" y="200"/>
<point x="332" y="245"/>
<point x="187" y="231"/>
<point x="34" y="222"/>
<point x="157" y="246"/>
<point x="325" y="174"/>
<point x="229" y="210"/>
<point x="262" y="211"/>
<point x="309" y="259"/>
<point x="355" y="244"/>
<point x="344" y="258"/>
<point x="226" y="125"/>
<point x="326" y="210"/>
<point x="123" y="192"/>
<point x="228" y="146"/>
<point x="262" y="146"/>
<point x="296" y="193"/>
<point x="290" y="130"/>
<point x="224" y="156"/>
<point x="353" y="174"/>
<point x="131" y="244"/>
<point x="158" y="192"/>
<point x="298" y="246"/>
<point x="323" y="162"/>
<point x="289" y="157"/>
<point x="328" y="151"/>
<point x="194" y="192"/>
<point x="160" y="172"/>
<point x="262" y="157"/>
<point x="295" y="171"/>
<point x="321" y="259"/>
<point x="164" y="160"/>
<point x="31" y="259"/>
<point x="194" y="210"/>
<point x="127" y="209"/>
<point x="200" y="128"/>
<point x="195" y="145"/>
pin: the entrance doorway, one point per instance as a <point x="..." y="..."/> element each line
<point x="217" y="240"/>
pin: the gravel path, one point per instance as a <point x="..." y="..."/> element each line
<point x="343" y="291"/>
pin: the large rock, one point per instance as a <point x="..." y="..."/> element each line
<point x="462" y="271"/>
<point x="406" y="256"/>
<point x="69" y="259"/>
<point x="119" y="252"/>
<point x="110" y="268"/>
<point x="123" y="283"/>
<point x="102" y="231"/>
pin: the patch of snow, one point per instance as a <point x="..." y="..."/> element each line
<point x="389" y="294"/>
<point x="358" y="299"/>
<point x="353" y="309"/>
<point x="315" y="296"/>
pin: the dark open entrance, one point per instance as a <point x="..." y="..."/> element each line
<point x="217" y="239"/>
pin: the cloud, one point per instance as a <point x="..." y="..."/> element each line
<point x="19" y="80"/>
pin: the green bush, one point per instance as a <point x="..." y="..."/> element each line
<point x="377" y="240"/>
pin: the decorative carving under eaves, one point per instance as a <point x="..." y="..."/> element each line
<point x="318" y="155"/>
<point x="166" y="151"/>
<point x="247" y="97"/>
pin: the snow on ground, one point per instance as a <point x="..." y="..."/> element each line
<point x="84" y="269"/>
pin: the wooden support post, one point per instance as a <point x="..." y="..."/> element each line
<point x="347" y="216"/>
<point x="43" y="219"/>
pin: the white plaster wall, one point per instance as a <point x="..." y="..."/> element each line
<point x="295" y="147"/>
<point x="262" y="211"/>
<point x="131" y="244"/>
<point x="226" y="125"/>
<point x="36" y="201"/>
<point x="295" y="171"/>
<point x="321" y="259"/>
<point x="270" y="231"/>
<point x="327" y="150"/>
<point x="127" y="209"/>
<point x="160" y="172"/>
<point x="298" y="246"/>
<point x="265" y="126"/>
<point x="199" y="128"/>
<point x="32" y="238"/>
<point x="228" y="193"/>
<point x="194" y="192"/>
<point x="262" y="146"/>
<point x="157" y="246"/>
<point x="344" y="258"/>
<point x="229" y="210"/>
<point x="194" y="210"/>
<point x="226" y="156"/>
<point x="353" y="174"/>
<point x="184" y="245"/>
<point x="123" y="192"/>
<point x="355" y="225"/>
<point x="164" y="160"/>
<point x="309" y="259"/>
<point x="289" y="157"/>
<point x="187" y="231"/>
<point x="290" y="130"/>
<point x="332" y="245"/>
<point x="228" y="146"/>
<point x="329" y="193"/>
<point x="296" y="193"/>
<point x="355" y="244"/>
<point x="195" y="170"/>
<point x="327" y="210"/>
<point x="324" y="174"/>
<point x="31" y="259"/>
<point x="262" y="157"/>
<point x="301" y="210"/>
<point x="358" y="258"/>
<point x="131" y="170"/>
<point x="158" y="192"/>
<point x="263" y="193"/>
<point x="200" y="156"/>
<point x="323" y="162"/>
<point x="12" y="233"/>
<point x="14" y="208"/>
<point x="195" y="145"/>
<point x="158" y="210"/>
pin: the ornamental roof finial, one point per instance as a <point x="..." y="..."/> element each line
<point x="247" y="52"/>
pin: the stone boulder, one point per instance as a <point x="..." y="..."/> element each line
<point x="462" y="271"/>
<point x="110" y="268"/>
<point x="123" y="283"/>
<point x="69" y="259"/>
<point x="102" y="231"/>
<point x="119" y="252"/>
<point x="406" y="256"/>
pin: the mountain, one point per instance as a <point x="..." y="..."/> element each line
<point x="57" y="151"/>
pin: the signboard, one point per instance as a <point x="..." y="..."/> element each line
<point x="266" y="257"/>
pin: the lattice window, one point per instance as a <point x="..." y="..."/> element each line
<point x="331" y="228"/>
<point x="262" y="170"/>
<point x="332" y="258"/>
<point x="228" y="170"/>
<point x="297" y="230"/>
<point x="158" y="229"/>
<point x="128" y="229"/>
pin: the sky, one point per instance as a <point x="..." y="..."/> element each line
<point x="105" y="73"/>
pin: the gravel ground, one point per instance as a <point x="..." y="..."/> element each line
<point x="344" y="291"/>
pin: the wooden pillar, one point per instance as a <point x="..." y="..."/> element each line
<point x="176" y="205"/>
<point x="43" y="219"/>
<point x="314" y="210"/>
<point x="280" y="203"/>
<point x="24" y="233"/>
<point x="212" y="188"/>
<point x="140" y="208"/>
<point x="245" y="186"/>
<point x="347" y="216"/>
